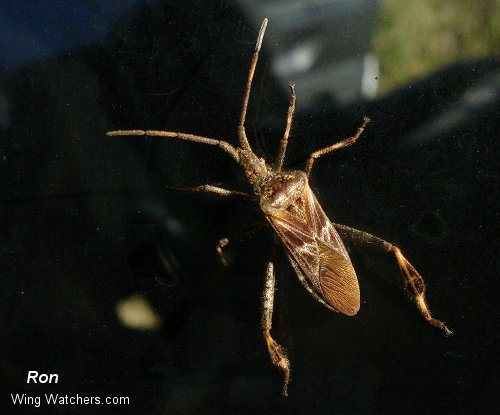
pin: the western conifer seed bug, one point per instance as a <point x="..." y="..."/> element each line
<point x="312" y="242"/>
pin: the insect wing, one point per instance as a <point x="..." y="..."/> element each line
<point x="317" y="253"/>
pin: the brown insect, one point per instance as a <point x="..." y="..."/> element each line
<point x="312" y="242"/>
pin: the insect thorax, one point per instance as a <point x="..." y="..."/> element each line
<point x="282" y="190"/>
<point x="278" y="190"/>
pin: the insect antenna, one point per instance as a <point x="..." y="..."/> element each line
<point x="241" y="126"/>
<point x="284" y="141"/>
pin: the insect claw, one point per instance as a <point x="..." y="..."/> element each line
<point x="221" y="244"/>
<point x="442" y="326"/>
<point x="279" y="359"/>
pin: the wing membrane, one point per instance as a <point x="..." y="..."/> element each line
<point x="338" y="281"/>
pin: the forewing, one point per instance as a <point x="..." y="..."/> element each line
<point x="318" y="254"/>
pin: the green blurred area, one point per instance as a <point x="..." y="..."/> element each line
<point x="416" y="37"/>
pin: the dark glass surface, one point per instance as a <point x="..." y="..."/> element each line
<point x="88" y="221"/>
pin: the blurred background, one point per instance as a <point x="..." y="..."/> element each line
<point x="111" y="279"/>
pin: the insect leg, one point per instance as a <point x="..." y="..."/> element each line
<point x="242" y="233"/>
<point x="224" y="145"/>
<point x="276" y="352"/>
<point x="411" y="276"/>
<point x="241" y="126"/>
<point x="208" y="188"/>
<point x="336" y="146"/>
<point x="284" y="141"/>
